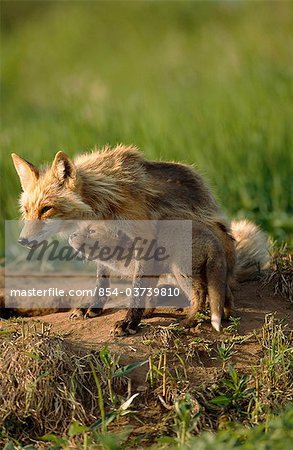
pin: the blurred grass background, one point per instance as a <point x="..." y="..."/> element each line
<point x="208" y="83"/>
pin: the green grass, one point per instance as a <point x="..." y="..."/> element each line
<point x="209" y="83"/>
<point x="276" y="434"/>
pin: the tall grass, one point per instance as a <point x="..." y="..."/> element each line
<point x="209" y="83"/>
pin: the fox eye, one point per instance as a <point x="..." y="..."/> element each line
<point x="91" y="230"/>
<point x="45" y="209"/>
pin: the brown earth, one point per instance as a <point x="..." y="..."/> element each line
<point x="253" y="300"/>
<point x="199" y="367"/>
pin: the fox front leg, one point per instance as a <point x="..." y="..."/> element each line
<point x="141" y="282"/>
<point x="135" y="311"/>
<point x="129" y="325"/>
<point x="99" y="299"/>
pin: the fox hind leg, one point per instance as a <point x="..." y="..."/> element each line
<point x="229" y="303"/>
<point x="212" y="285"/>
<point x="217" y="287"/>
<point x="199" y="295"/>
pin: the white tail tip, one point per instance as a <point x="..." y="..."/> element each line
<point x="216" y="322"/>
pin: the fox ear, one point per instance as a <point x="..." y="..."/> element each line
<point x="62" y="167"/>
<point x="26" y="171"/>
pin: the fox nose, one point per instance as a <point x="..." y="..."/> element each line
<point x="22" y="241"/>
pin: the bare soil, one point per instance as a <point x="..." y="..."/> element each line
<point x="253" y="300"/>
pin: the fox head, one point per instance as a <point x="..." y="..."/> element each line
<point x="51" y="193"/>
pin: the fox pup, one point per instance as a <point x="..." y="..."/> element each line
<point x="208" y="277"/>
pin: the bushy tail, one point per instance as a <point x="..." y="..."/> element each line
<point x="252" y="249"/>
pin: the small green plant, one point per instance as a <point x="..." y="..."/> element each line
<point x="112" y="371"/>
<point x="201" y="317"/>
<point x="180" y="370"/>
<point x="113" y="415"/>
<point x="155" y="369"/>
<point x="234" y="392"/>
<point x="233" y="328"/>
<point x="111" y="364"/>
<point x="225" y="352"/>
<point x="185" y="420"/>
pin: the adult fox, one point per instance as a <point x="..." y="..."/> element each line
<point x="120" y="184"/>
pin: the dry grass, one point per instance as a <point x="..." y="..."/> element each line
<point x="46" y="384"/>
<point x="281" y="273"/>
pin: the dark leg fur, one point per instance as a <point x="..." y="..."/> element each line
<point x="228" y="305"/>
<point x="103" y="282"/>
<point x="136" y="309"/>
<point x="199" y="294"/>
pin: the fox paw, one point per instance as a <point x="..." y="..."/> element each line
<point x="123" y="328"/>
<point x="93" y="312"/>
<point x="89" y="313"/>
<point x="77" y="313"/>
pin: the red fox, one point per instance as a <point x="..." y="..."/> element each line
<point x="120" y="184"/>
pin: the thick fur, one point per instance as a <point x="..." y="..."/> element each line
<point x="209" y="268"/>
<point x="252" y="250"/>
<point x="120" y="184"/>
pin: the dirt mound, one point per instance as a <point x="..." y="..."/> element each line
<point x="253" y="300"/>
<point x="45" y="381"/>
<point x="57" y="350"/>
